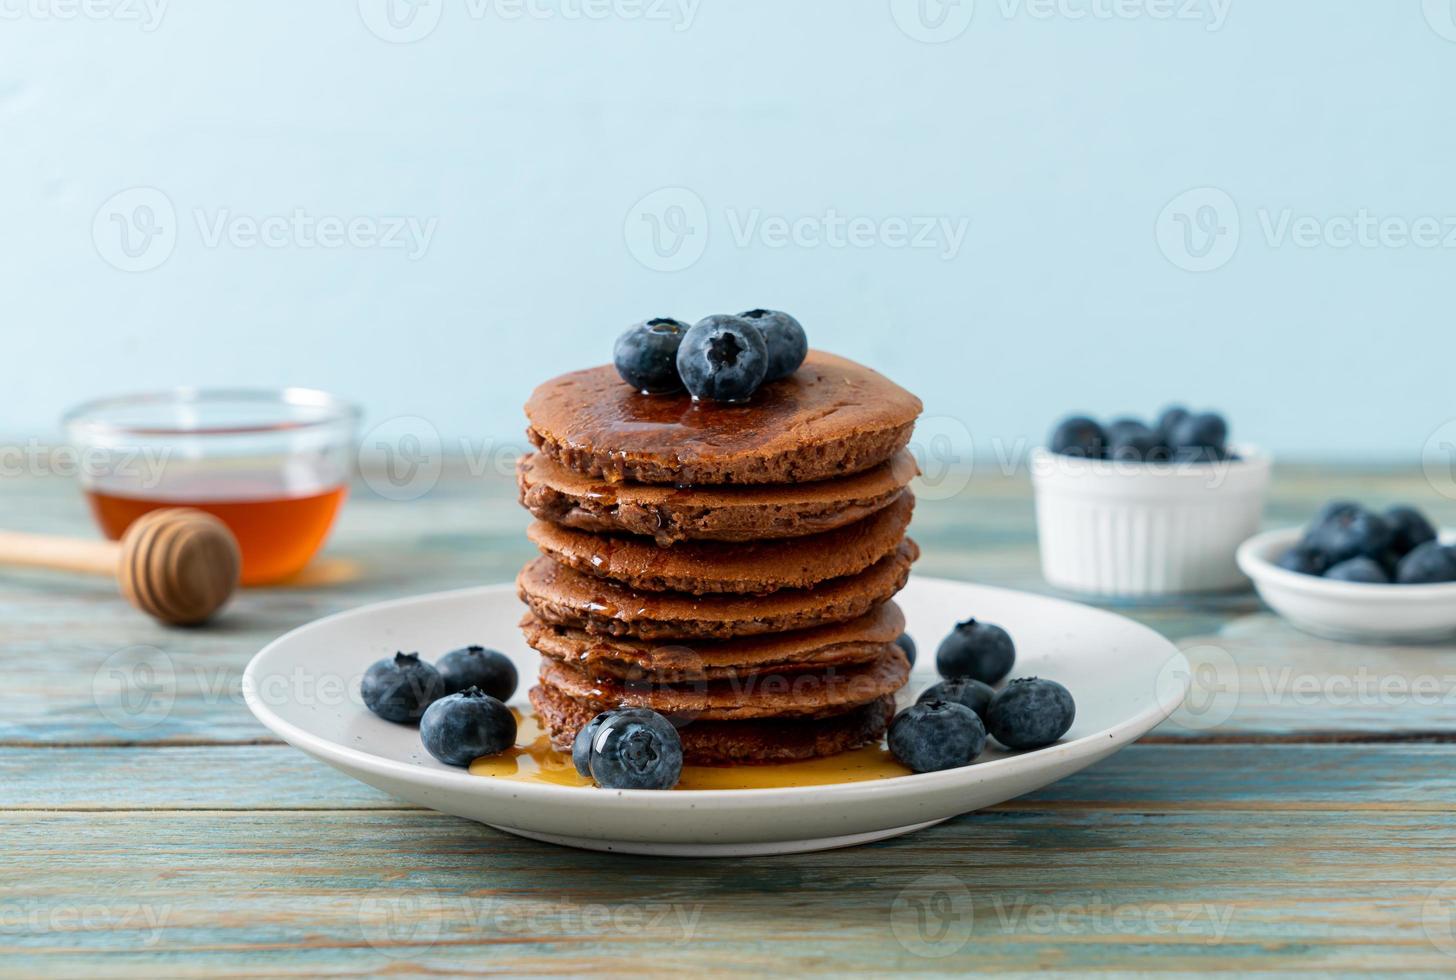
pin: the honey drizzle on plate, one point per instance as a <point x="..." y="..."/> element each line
<point x="533" y="760"/>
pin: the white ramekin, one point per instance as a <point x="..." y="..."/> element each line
<point x="1145" y="529"/>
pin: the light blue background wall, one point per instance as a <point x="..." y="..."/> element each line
<point x="528" y="141"/>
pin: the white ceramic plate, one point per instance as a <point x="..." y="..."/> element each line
<point x="304" y="687"/>
<point x="1347" y="610"/>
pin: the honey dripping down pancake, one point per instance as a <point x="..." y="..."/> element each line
<point x="829" y="419"/>
<point x="854" y="641"/>
<point x="735" y="742"/>
<point x="562" y="596"/>
<point x="788" y="694"/>
<point x="670" y="514"/>
<point x="716" y="567"/>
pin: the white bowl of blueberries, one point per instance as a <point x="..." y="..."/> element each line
<point x="1357" y="574"/>
<point x="1132" y="510"/>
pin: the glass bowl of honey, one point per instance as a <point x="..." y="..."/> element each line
<point x="274" y="465"/>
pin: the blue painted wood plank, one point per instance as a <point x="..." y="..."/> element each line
<point x="1159" y="777"/>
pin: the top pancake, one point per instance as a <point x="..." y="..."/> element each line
<point x="667" y="514"/>
<point x="830" y="418"/>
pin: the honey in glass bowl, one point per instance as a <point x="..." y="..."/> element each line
<point x="272" y="465"/>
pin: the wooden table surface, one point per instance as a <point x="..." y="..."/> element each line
<point x="1298" y="814"/>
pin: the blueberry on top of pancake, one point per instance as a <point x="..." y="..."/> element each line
<point x="830" y="418"/>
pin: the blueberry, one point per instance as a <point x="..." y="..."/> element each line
<point x="1168" y="421"/>
<point x="980" y="651"/>
<point x="906" y="643"/>
<point x="1409" y="529"/>
<point x="1030" y="712"/>
<point x="489" y="670"/>
<point x="646" y="355"/>
<point x="463" y="727"/>
<point x="1429" y="562"/>
<point x="636" y="750"/>
<point x="934" y="735"/>
<point x="963" y="691"/>
<point x="581" y="745"/>
<point x="1207" y="430"/>
<point x="785" y="339"/>
<point x="1131" y="441"/>
<point x="1304" y="560"/>
<point x="401" y="687"/>
<point x="1330" y="511"/>
<point x="1079" y="436"/>
<point x="1389" y="562"/>
<point x="1351" y="533"/>
<point x="1359" y="570"/>
<point x="723" y="358"/>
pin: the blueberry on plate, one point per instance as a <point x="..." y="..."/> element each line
<point x="1359" y="570"/>
<point x="646" y="355"/>
<point x="473" y="666"/>
<point x="933" y="735"/>
<point x="1304" y="560"/>
<point x="1409" y="529"/>
<point x="786" y="341"/>
<point x="1430" y="562"/>
<point x="401" y="687"/>
<point x="1206" y="431"/>
<point x="1079" y="436"/>
<point x="1030" y="712"/>
<point x="636" y="750"/>
<point x="581" y="745"/>
<point x="980" y="651"/>
<point x="723" y="358"/>
<point x="1168" y="421"/>
<point x="1351" y="533"/>
<point x="907" y="643"/>
<point x="463" y="727"/>
<point x="964" y="691"/>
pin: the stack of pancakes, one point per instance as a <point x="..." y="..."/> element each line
<point x="730" y="566"/>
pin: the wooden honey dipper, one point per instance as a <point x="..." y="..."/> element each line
<point x="178" y="565"/>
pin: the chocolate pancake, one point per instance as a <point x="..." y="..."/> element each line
<point x="709" y="743"/>
<point x="857" y="641"/>
<point x="754" y="567"/>
<point x="561" y="496"/>
<point x="563" y="596"/>
<point x="807" y="694"/>
<point x="830" y="418"/>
